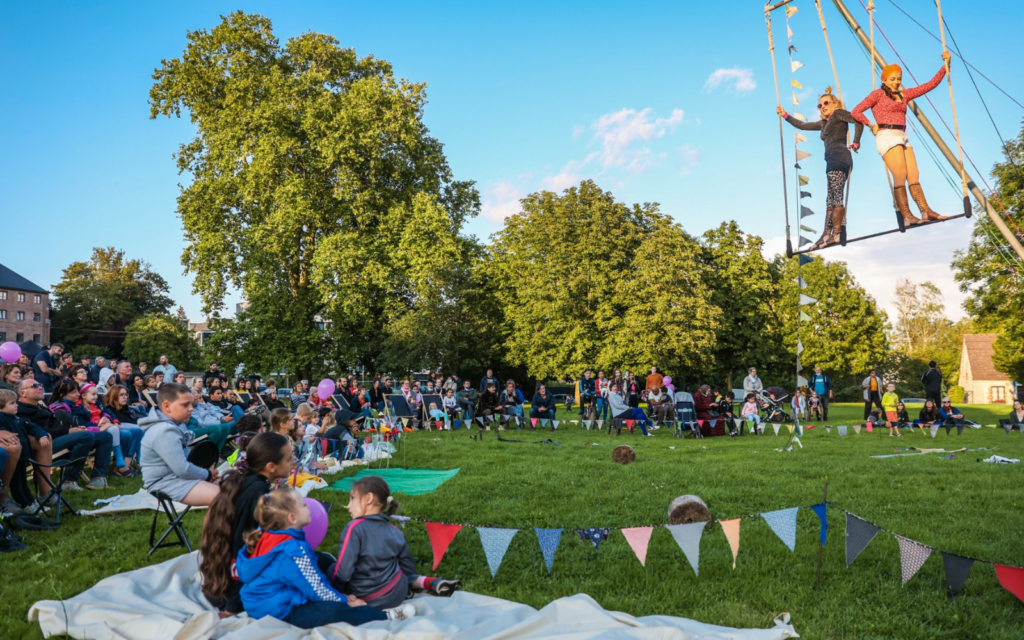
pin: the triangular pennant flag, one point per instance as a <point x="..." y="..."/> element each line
<point x="600" y="424"/>
<point x="687" y="536"/>
<point x="828" y="428"/>
<point x="803" y="180"/>
<point x="480" y="420"/>
<point x="548" y="539"/>
<point x="783" y="523"/>
<point x="629" y="424"/>
<point x="401" y="520"/>
<point x="594" y="536"/>
<point x="819" y="510"/>
<point x="731" y="528"/>
<point x="495" y="542"/>
<point x="912" y="556"/>
<point x="801" y="381"/>
<point x="859" y="533"/>
<point x="807" y="300"/>
<point x="842" y="429"/>
<point x="800" y="138"/>
<point x="805" y="194"/>
<point x="1011" y="579"/>
<point x="804" y="241"/>
<point x="804" y="317"/>
<point x="934" y="429"/>
<point x="800" y="282"/>
<point x="587" y="424"/>
<point x="438" y="423"/>
<point x="799" y="432"/>
<point x="948" y="427"/>
<point x="794" y="65"/>
<point x="544" y="422"/>
<point x="804" y="227"/>
<point x="799" y="346"/>
<point x="797" y="85"/>
<point x="789" y="33"/>
<point x="1008" y="427"/>
<point x="802" y="118"/>
<point x="801" y="155"/>
<point x="790" y="427"/>
<point x="534" y="422"/>
<point x="957" y="568"/>
<point x="405" y="422"/>
<point x="856" y="429"/>
<point x="441" y="536"/>
<point x="738" y="422"/>
<point x="555" y="423"/>
<point x="796" y="102"/>
<point x="790" y="10"/>
<point x="805" y="212"/>
<point x="639" y="538"/>
<point x="775" y="426"/>
<point x="959" y="429"/>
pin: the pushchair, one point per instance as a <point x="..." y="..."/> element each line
<point x="772" y="409"/>
<point x="686" y="412"/>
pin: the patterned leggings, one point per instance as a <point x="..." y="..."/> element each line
<point x="836" y="185"/>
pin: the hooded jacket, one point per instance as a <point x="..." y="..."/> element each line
<point x="374" y="560"/>
<point x="163" y="450"/>
<point x="280" y="575"/>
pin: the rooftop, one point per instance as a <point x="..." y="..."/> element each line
<point x="979" y="353"/>
<point x="12" y="280"/>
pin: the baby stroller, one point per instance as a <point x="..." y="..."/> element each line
<point x="686" y="412"/>
<point x="772" y="409"/>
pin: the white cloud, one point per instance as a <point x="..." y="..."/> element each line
<point x="919" y="255"/>
<point x="691" y="158"/>
<point x="618" y="130"/>
<point x="500" y="202"/>
<point x="742" y="80"/>
<point x="568" y="176"/>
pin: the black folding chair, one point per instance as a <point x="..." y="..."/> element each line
<point x="56" y="489"/>
<point x="174" y="524"/>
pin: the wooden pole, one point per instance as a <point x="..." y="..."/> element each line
<point x="817" y="581"/>
<point x="778" y="101"/>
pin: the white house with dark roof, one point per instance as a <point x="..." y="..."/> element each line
<point x="24" y="309"/>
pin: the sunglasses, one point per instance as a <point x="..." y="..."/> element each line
<point x="824" y="104"/>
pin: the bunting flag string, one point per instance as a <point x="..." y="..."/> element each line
<point x="957" y="568"/>
<point x="775" y="426"/>
<point x="806" y="211"/>
<point x="805" y="194"/>
<point x="857" y="428"/>
<point x="912" y="555"/>
<point x="800" y="138"/>
<point x="794" y="65"/>
<point x="790" y="10"/>
<point x="1011" y="579"/>
<point x="796" y="84"/>
<point x="802" y="118"/>
<point x="804" y="180"/>
<point x="859" y="534"/>
<point x="593" y="536"/>
<point x="804" y="317"/>
<point x="495" y="543"/>
<point x="802" y="155"/>
<point x="805" y="300"/>
<point x="820" y="511"/>
<point x="841" y="429"/>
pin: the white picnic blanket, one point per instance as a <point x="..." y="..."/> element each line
<point x="165" y="601"/>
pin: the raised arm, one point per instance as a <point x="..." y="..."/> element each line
<point x="921" y="89"/>
<point x="799" y="124"/>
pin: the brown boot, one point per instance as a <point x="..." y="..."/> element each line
<point x="926" y="212"/>
<point x="904" y="206"/>
<point x="838" y="218"/>
<point x="826" y="233"/>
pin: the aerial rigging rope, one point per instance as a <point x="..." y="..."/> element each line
<point x="952" y="104"/>
<point x="782" y="140"/>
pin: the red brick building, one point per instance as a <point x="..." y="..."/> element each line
<point x="24" y="309"/>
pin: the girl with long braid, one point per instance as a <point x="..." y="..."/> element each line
<point x="889" y="106"/>
<point x="834" y="127"/>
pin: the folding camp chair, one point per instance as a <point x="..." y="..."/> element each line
<point x="61" y="460"/>
<point x="174" y="524"/>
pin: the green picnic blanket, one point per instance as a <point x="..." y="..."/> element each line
<point x="413" y="482"/>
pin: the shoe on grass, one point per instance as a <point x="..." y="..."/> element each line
<point x="71" y="486"/>
<point x="9" y="507"/>
<point x="443" y="587"/>
<point x="401" y="612"/>
<point x="97" y="484"/>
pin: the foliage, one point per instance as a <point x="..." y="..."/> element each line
<point x="585" y="281"/>
<point x="747" y="290"/>
<point x="956" y="394"/>
<point x="312" y="177"/>
<point x="161" y="334"/>
<point x="921" y="316"/>
<point x="95" y="300"/>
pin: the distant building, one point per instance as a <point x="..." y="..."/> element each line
<point x="978" y="376"/>
<point x="24" y="309"/>
<point x="200" y="331"/>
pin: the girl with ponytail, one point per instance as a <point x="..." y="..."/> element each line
<point x="268" y="458"/>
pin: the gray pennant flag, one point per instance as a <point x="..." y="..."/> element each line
<point x="805" y="194"/>
<point x="804" y="212"/>
<point x="687" y="536"/>
<point x="912" y="556"/>
<point x="805" y="259"/>
<point x="859" y="533"/>
<point x="804" y="241"/>
<point x="957" y="568"/>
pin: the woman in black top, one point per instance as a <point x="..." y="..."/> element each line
<point x="834" y="127"/>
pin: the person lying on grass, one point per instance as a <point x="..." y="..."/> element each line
<point x="165" y="465"/>
<point x="280" y="577"/>
<point x="267" y="458"/>
<point x="374" y="561"/>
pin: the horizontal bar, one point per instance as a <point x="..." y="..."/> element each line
<point x="882" y="233"/>
<point x="780" y="3"/>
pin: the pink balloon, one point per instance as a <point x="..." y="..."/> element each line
<point x="10" y="352"/>
<point x="316" y="530"/>
<point x="326" y="388"/>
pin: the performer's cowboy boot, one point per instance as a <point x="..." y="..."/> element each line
<point x="926" y="212"/>
<point x="826" y="233"/>
<point x="838" y="218"/>
<point x="904" y="206"/>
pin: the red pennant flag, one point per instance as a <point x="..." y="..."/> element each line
<point x="1011" y="579"/>
<point x="810" y="426"/>
<point x="534" y="421"/>
<point x="438" y="423"/>
<point x="629" y="424"/>
<point x="867" y="426"/>
<point x="441" y="535"/>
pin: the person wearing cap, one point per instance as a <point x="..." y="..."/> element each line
<point x="932" y="380"/>
<point x="872" y="393"/>
<point x="346" y="432"/>
<point x="752" y="384"/>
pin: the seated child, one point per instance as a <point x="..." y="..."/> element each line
<point x="436" y="415"/>
<point x="279" y="573"/>
<point x="374" y="562"/>
<point x="814" y="408"/>
<point x="749" y="410"/>
<point x="345" y="434"/>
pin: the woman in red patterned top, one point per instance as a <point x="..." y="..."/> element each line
<point x="889" y="105"/>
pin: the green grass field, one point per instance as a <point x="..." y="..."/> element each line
<point x="955" y="505"/>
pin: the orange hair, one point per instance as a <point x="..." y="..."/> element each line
<point x="889" y="70"/>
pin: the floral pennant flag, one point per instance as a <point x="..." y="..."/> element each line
<point x="594" y="536"/>
<point x="548" y="539"/>
<point x="732" y="534"/>
<point x="687" y="536"/>
<point x="912" y="556"/>
<point x="859" y="533"/>
<point x="441" y="535"/>
<point x="495" y="542"/>
<point x="783" y="523"/>
<point x="639" y="538"/>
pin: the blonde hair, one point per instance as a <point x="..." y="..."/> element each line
<point x="304" y="409"/>
<point x="272" y="511"/>
<point x="828" y="93"/>
<point x="7" y="397"/>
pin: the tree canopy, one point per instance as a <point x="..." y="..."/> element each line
<point x="161" y="334"/>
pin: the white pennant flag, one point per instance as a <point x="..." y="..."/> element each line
<point x="600" y="423"/>
<point x="796" y="101"/>
<point x="800" y="116"/>
<point x="801" y="381"/>
<point x="799" y="346"/>
<point x="800" y="138"/>
<point x="801" y="155"/>
<point x="807" y="300"/>
<point x="480" y="420"/>
<point x="776" y="426"/>
<point x="801" y="283"/>
<point x="587" y="423"/>
<point x="789" y="33"/>
<point x="790" y="10"/>
<point x="794" y="65"/>
<point x="808" y="229"/>
<point x="555" y="422"/>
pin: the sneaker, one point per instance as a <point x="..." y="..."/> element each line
<point x="96" y="484"/>
<point x="443" y="587"/>
<point x="401" y="612"/>
<point x="71" y="486"/>
<point x="9" y="507"/>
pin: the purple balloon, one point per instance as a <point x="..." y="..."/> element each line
<point x="10" y="352"/>
<point x="326" y="388"/>
<point x="316" y="530"/>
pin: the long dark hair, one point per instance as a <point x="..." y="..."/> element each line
<point x="219" y="525"/>
<point x="63" y="388"/>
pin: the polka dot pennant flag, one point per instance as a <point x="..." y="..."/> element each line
<point x="783" y="523"/>
<point x="594" y="536"/>
<point x="495" y="542"/>
<point x="859" y="533"/>
<point x="548" y="539"/>
<point x="912" y="556"/>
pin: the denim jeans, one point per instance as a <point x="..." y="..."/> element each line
<point x="104" y="447"/>
<point x="133" y="436"/>
<point x="602" y="409"/>
<point x="316" y="614"/>
<point x="635" y="414"/>
<point x="468" y="409"/>
<point x="78" y="445"/>
<point x="515" y="411"/>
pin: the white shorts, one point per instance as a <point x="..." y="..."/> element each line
<point x="889" y="138"/>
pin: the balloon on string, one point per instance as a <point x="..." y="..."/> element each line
<point x="326" y="388"/>
<point x="10" y="352"/>
<point x="316" y="530"/>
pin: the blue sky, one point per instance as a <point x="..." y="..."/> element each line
<point x="525" y="96"/>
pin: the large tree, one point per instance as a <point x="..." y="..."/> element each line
<point x="312" y="174"/>
<point x="96" y="300"/>
<point x="161" y="334"/>
<point x="585" y="281"/>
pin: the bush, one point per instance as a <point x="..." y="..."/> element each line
<point x="956" y="394"/>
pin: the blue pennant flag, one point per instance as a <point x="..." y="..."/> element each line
<point x="687" y="536"/>
<point x="458" y="424"/>
<point x="783" y="523"/>
<point x="495" y="543"/>
<point x="595" y="536"/>
<point x="819" y="510"/>
<point x="548" y="539"/>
